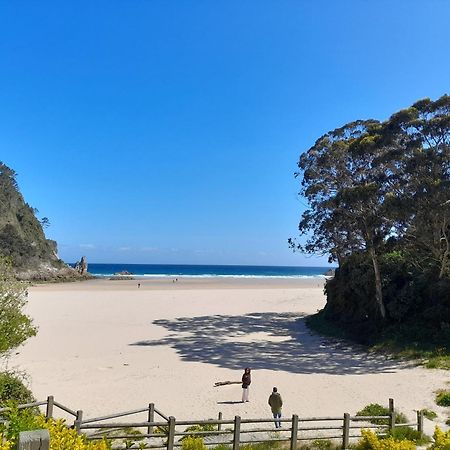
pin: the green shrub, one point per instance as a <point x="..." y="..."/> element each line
<point x="201" y="427"/>
<point x="193" y="443"/>
<point x="320" y="444"/>
<point x="222" y="447"/>
<point x="5" y="445"/>
<point x="370" y="441"/>
<point x="262" y="446"/>
<point x="400" y="433"/>
<point x="429" y="414"/>
<point x="441" y="440"/>
<point x="15" y="326"/>
<point x="134" y="436"/>
<point x="64" y="438"/>
<point x="374" y="409"/>
<point x="12" y="388"/>
<point x="443" y="397"/>
<point x="438" y="362"/>
<point x="18" y="420"/>
<point x="209" y="427"/>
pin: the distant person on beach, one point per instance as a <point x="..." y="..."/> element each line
<point x="276" y="404"/>
<point x="139" y="285"/>
<point x="246" y="381"/>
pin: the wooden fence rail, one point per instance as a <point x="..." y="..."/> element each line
<point x="165" y="432"/>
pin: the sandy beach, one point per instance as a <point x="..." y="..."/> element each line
<point x="107" y="346"/>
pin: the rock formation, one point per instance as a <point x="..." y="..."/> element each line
<point x="81" y="266"/>
<point x="22" y="238"/>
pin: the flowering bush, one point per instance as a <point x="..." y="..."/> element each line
<point x="441" y="440"/>
<point x="63" y="438"/>
<point x="193" y="443"/>
<point x="370" y="441"/>
<point x="6" y="445"/>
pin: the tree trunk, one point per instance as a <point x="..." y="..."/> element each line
<point x="444" y="258"/>
<point x="378" y="290"/>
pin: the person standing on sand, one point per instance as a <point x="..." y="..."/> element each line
<point x="276" y="403"/>
<point x="246" y="380"/>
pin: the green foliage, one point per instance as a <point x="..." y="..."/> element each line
<point x="410" y="434"/>
<point x="18" y="420"/>
<point x="320" y="444"/>
<point x="378" y="196"/>
<point x="441" y="440"/>
<point x="201" y="427"/>
<point x="429" y="414"/>
<point x="271" y="445"/>
<point x="61" y="437"/>
<point x="193" y="443"/>
<point x="134" y="437"/>
<point x="222" y="447"/>
<point x="64" y="438"/>
<point x="12" y="388"/>
<point x="370" y="441"/>
<point x="21" y="234"/>
<point x="375" y="409"/>
<point x="437" y="362"/>
<point x="5" y="445"/>
<point x="206" y="427"/>
<point x="443" y="397"/>
<point x="15" y="326"/>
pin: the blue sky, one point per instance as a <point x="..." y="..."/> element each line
<point x="169" y="131"/>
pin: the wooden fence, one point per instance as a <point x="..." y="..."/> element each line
<point x="159" y="431"/>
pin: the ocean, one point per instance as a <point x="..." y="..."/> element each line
<point x="184" y="270"/>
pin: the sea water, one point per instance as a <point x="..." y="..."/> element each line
<point x="185" y="270"/>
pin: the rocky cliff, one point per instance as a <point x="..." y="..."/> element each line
<point x="22" y="237"/>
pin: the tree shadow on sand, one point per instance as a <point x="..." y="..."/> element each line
<point x="266" y="341"/>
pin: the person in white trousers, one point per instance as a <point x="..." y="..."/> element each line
<point x="246" y="380"/>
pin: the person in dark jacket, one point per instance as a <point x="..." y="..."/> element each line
<point x="246" y="380"/>
<point x="276" y="404"/>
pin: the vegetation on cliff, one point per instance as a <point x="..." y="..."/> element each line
<point x="22" y="236"/>
<point x="379" y="206"/>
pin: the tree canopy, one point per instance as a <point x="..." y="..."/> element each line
<point x="378" y="192"/>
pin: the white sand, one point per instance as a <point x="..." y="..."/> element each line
<point x="107" y="346"/>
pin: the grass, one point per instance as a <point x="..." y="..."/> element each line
<point x="262" y="446"/>
<point x="400" y="433"/>
<point x="412" y="341"/>
<point x="443" y="397"/>
<point x="321" y="444"/>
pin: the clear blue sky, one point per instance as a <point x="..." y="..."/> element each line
<point x="169" y="131"/>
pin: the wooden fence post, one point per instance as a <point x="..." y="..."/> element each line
<point x="391" y="414"/>
<point x="151" y="417"/>
<point x="78" y="420"/>
<point x="420" y="422"/>
<point x="346" y="431"/>
<point x="236" y="432"/>
<point x="294" y="431"/>
<point x="50" y="402"/>
<point x="219" y="425"/>
<point x="34" y="440"/>
<point x="171" y="434"/>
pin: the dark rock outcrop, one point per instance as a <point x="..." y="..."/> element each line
<point x="123" y="272"/>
